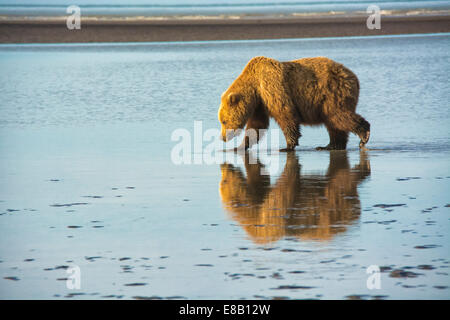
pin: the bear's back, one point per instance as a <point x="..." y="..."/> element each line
<point x="321" y="69"/>
<point x="315" y="81"/>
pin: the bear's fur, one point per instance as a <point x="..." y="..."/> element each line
<point x="310" y="91"/>
<point x="307" y="206"/>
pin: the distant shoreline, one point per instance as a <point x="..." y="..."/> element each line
<point x="150" y="29"/>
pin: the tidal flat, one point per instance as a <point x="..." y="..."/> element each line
<point x="87" y="178"/>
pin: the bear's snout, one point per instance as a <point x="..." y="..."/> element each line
<point x="227" y="134"/>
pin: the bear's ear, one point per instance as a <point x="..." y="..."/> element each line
<point x="234" y="98"/>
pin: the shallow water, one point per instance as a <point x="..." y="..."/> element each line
<point x="206" y="7"/>
<point x="86" y="177"/>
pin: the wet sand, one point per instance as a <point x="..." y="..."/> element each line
<point x="20" y="30"/>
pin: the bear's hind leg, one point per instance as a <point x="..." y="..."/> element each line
<point x="338" y="139"/>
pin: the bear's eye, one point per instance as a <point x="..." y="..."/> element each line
<point x="224" y="122"/>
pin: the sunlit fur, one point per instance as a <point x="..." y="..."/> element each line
<point x="306" y="206"/>
<point x="310" y="91"/>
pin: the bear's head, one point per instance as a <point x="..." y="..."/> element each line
<point x="234" y="112"/>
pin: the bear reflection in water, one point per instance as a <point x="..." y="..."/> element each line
<point x="307" y="206"/>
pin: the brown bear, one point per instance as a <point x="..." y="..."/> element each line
<point x="309" y="91"/>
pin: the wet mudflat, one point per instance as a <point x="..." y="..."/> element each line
<point x="309" y="232"/>
<point x="87" y="180"/>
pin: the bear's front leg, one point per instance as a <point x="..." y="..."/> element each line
<point x="338" y="139"/>
<point x="256" y="126"/>
<point x="291" y="131"/>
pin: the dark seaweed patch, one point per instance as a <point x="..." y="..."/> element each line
<point x="408" y="178"/>
<point x="383" y="205"/>
<point x="292" y="287"/>
<point x="440" y="287"/>
<point x="92" y="259"/>
<point x="425" y="267"/>
<point x="58" y="205"/>
<point x="148" y="298"/>
<point x="135" y="284"/>
<point x="399" y="273"/>
<point x="427" y="246"/>
<point x="124" y="258"/>
<point x="11" y="278"/>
